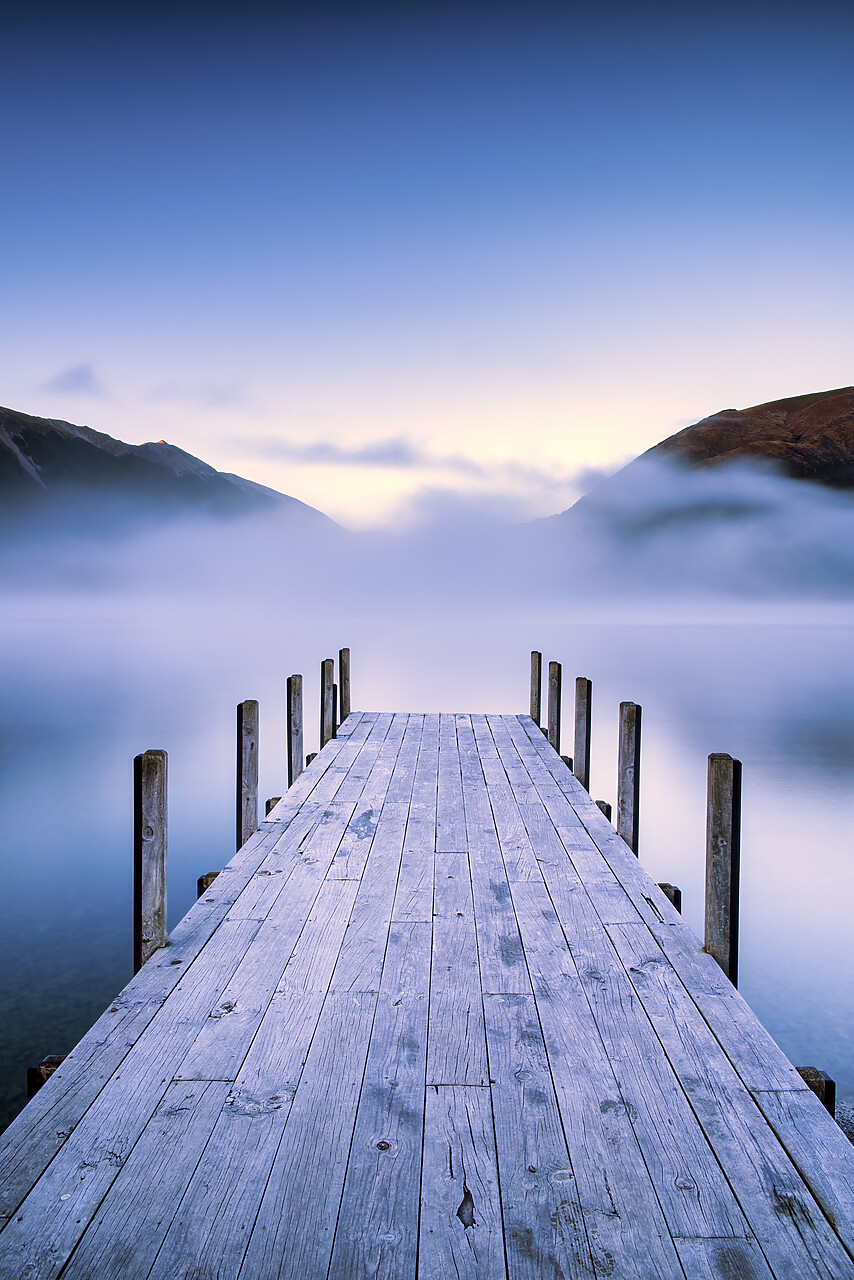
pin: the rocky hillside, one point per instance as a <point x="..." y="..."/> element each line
<point x="46" y="464"/>
<point x="809" y="437"/>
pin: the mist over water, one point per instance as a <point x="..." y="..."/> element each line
<point x="734" y="631"/>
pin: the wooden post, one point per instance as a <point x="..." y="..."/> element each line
<point x="335" y="720"/>
<point x="583" y="704"/>
<point x="247" y="770"/>
<point x="820" y="1082"/>
<point x="674" y="893"/>
<point x="605" y="807"/>
<point x="41" y="1072"/>
<point x="309" y="758"/>
<point x="344" y="683"/>
<point x="204" y="882"/>
<point x="295" y="765"/>
<point x="536" y="686"/>
<point x="567" y="760"/>
<point x="628" y="774"/>
<point x="269" y="805"/>
<point x="149" y="855"/>
<point x="327" y="712"/>
<point x="723" y="862"/>
<point x="554" y="705"/>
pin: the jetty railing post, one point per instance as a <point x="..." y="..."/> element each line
<point x="327" y="710"/>
<point x="149" y="855"/>
<point x="583" y="706"/>
<point x="628" y="774"/>
<point x="554" y="705"/>
<point x="723" y="861"/>
<point x="295" y="744"/>
<point x="335" y="720"/>
<point x="536" y="686"/>
<point x="247" y="770"/>
<point x="344" y="683"/>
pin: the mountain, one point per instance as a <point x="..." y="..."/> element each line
<point x="808" y="437"/>
<point x="47" y="464"/>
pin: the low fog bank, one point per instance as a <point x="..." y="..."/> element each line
<point x="655" y="531"/>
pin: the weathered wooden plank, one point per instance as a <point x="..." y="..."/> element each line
<point x="365" y="765"/>
<point x="820" y="1151"/>
<point x="352" y="854"/>
<point x="456" y="1051"/>
<point x="53" y="1217"/>
<point x="461" y="1228"/>
<point x="622" y="1213"/>
<point x="502" y="961"/>
<point x="172" y="1142"/>
<point x="377" y="1231"/>
<point x="210" y="1230"/>
<point x="290" y="951"/>
<point x="360" y="962"/>
<point x="293" y="1233"/>
<point x="783" y="1215"/>
<point x="722" y="1259"/>
<point x="694" y="1195"/>
<point x="543" y="1220"/>
<point x="450" y="817"/>
<point x="516" y="848"/>
<point x="414" y="898"/>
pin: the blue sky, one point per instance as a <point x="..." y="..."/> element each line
<point x="372" y="254"/>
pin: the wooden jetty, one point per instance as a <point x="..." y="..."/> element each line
<point x="433" y="1020"/>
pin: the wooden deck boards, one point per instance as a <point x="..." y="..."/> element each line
<point x="434" y="1019"/>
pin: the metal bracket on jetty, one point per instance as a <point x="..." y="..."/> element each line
<point x="434" y="1018"/>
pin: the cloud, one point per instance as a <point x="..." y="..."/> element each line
<point x="77" y="380"/>
<point x="203" y="394"/>
<point x="398" y="453"/>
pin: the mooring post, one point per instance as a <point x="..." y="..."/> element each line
<point x="247" y="770"/>
<point x="822" y="1085"/>
<point x="335" y="720"/>
<point x="723" y="861"/>
<point x="583" y="705"/>
<point x="554" y="705"/>
<point x="204" y="882"/>
<point x="628" y="774"/>
<point x="149" y="855"/>
<point x="536" y="686"/>
<point x="344" y="683"/>
<point x="327" y="710"/>
<point x="40" y="1072"/>
<point x="673" y="892"/>
<point x="295" y="756"/>
<point x="269" y="805"/>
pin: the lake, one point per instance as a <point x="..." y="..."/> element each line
<point x="92" y="677"/>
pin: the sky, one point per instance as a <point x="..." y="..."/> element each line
<point x="386" y="257"/>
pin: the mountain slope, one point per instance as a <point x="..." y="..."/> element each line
<point x="809" y="437"/>
<point x="46" y="463"/>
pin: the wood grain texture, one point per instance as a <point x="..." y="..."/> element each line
<point x="433" y="1016"/>
<point x="461" y="1226"/>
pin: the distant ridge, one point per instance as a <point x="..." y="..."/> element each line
<point x="809" y="437"/>
<point x="46" y="463"/>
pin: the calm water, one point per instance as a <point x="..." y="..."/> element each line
<point x="91" y="680"/>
